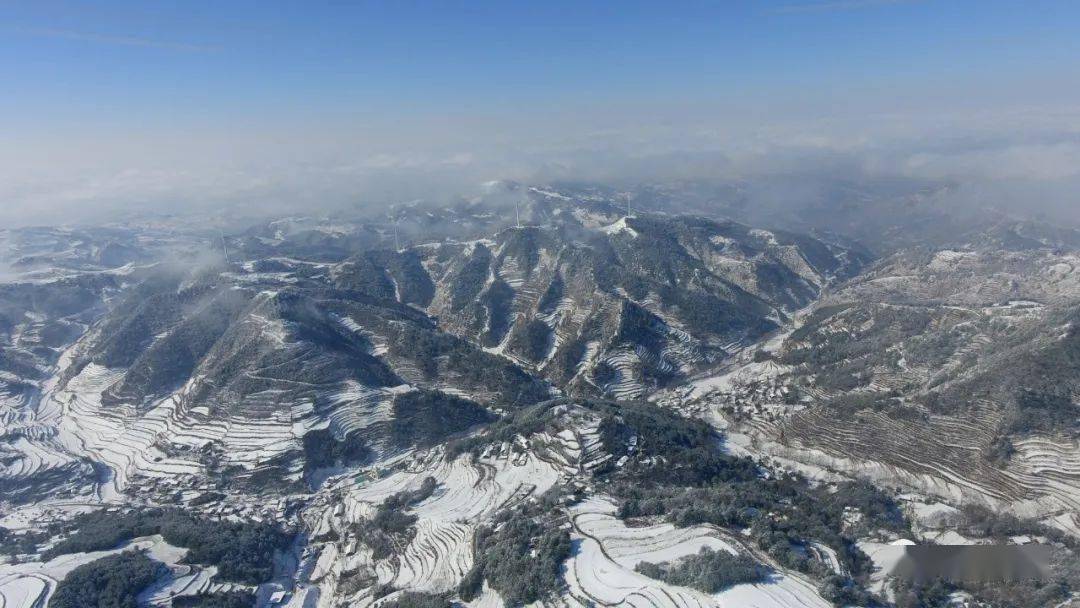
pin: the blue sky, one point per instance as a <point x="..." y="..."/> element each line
<point x="115" y="61"/>
<point x="142" y="86"/>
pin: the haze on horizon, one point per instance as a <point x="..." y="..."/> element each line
<point x="120" y="108"/>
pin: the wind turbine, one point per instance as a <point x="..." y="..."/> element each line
<point x="224" y="246"/>
<point x="397" y="239"/>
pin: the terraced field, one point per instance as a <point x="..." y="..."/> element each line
<point x="910" y="375"/>
<point x="30" y="585"/>
<point x="414" y="414"/>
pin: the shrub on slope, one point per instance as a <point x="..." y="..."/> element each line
<point x="670" y="449"/>
<point x="439" y="355"/>
<point x="243" y="552"/>
<point x="220" y="599"/>
<point x="425" y="418"/>
<point x="522" y="560"/>
<point x="413" y="599"/>
<point x="393" y="526"/>
<point x="709" y="571"/>
<point x="110" y="582"/>
<point x="322" y="449"/>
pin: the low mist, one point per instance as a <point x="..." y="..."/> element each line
<point x="1024" y="163"/>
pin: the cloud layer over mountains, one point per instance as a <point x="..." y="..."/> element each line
<point x="1024" y="161"/>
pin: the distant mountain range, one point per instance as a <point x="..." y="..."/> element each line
<point x="528" y="395"/>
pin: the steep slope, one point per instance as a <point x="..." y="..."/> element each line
<point x="638" y="303"/>
<point x="43" y="309"/>
<point x="508" y="494"/>
<point x="222" y="374"/>
<point x="426" y="416"/>
<point x="952" y="372"/>
<point x="221" y="369"/>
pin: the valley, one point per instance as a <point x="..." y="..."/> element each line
<point x="539" y="411"/>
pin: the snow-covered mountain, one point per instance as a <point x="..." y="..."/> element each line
<point x="538" y="395"/>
